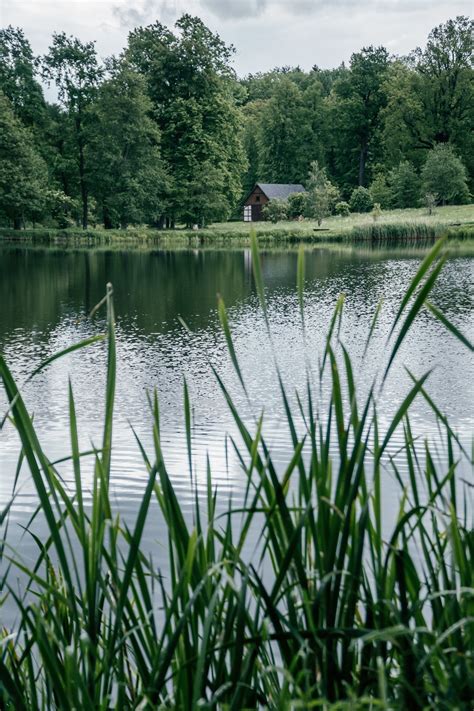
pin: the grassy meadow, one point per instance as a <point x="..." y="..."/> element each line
<point x="331" y="613"/>
<point x="410" y="226"/>
<point x="448" y="215"/>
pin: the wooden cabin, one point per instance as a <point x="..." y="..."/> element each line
<point x="262" y="193"/>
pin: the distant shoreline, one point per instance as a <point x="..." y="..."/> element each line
<point x="396" y="227"/>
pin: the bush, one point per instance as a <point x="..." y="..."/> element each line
<point x="361" y="200"/>
<point x="322" y="195"/>
<point x="405" y="185"/>
<point x="296" y="205"/>
<point x="430" y="201"/>
<point x="275" y="210"/>
<point x="444" y="175"/>
<point x="380" y="192"/>
<point x="376" y="211"/>
<point x="342" y="208"/>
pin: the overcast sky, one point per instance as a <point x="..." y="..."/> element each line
<point x="266" y="33"/>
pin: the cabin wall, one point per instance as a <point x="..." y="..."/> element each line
<point x="256" y="200"/>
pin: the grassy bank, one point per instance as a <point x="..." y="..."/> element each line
<point x="395" y="226"/>
<point x="332" y="612"/>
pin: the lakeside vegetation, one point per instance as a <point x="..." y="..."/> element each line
<point x="338" y="607"/>
<point x="166" y="134"/>
<point x="412" y="226"/>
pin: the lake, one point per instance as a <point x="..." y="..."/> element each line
<point x="47" y="294"/>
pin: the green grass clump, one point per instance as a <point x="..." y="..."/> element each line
<point x="411" y="233"/>
<point x="330" y="612"/>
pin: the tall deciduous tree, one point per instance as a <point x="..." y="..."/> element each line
<point x="17" y="76"/>
<point x="126" y="171"/>
<point x="192" y="89"/>
<point x="74" y="68"/>
<point x="252" y="141"/>
<point x="23" y="173"/>
<point x="292" y="125"/>
<point x="405" y="186"/>
<point x="446" y="79"/>
<point x="431" y="95"/>
<point x="357" y="103"/>
<point x="444" y="175"/>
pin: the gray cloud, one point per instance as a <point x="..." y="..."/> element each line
<point x="142" y="12"/>
<point x="235" y="9"/>
<point x="240" y="9"/>
<point x="167" y="11"/>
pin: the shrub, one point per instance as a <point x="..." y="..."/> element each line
<point x="275" y="210"/>
<point x="342" y="208"/>
<point x="431" y="201"/>
<point x="444" y="175"/>
<point x="376" y="212"/>
<point x="380" y="191"/>
<point x="322" y="195"/>
<point x="296" y="205"/>
<point x="405" y="185"/>
<point x="361" y="200"/>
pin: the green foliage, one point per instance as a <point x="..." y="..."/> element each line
<point x="126" y="171"/>
<point x="23" y="173"/>
<point x="361" y="200"/>
<point x="405" y="186"/>
<point x="338" y="606"/>
<point x="291" y="131"/>
<point x="322" y="195"/>
<point x="380" y="191"/>
<point x="445" y="175"/>
<point x="211" y="137"/>
<point x="297" y="205"/>
<point x="63" y="209"/>
<point x="276" y="210"/>
<point x="357" y="103"/>
<point x="376" y="211"/>
<point x="74" y="69"/>
<point x="17" y="76"/>
<point x="342" y="208"/>
<point x="430" y="200"/>
<point x="446" y="84"/>
<point x="430" y="96"/>
<point x="191" y="86"/>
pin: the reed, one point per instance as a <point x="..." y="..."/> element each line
<point x="348" y="618"/>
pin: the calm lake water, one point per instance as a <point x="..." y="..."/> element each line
<point x="46" y="296"/>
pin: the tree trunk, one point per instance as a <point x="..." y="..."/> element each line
<point x="17" y="222"/>
<point x="160" y="222"/>
<point x="84" y="196"/>
<point x="107" y="221"/>
<point x="362" y="162"/>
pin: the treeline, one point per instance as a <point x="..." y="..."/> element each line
<point x="167" y="134"/>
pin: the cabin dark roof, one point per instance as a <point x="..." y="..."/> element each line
<point x="280" y="191"/>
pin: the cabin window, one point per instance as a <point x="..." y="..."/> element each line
<point x="257" y="198"/>
<point x="248" y="213"/>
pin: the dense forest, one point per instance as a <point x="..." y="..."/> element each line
<point x="167" y="134"/>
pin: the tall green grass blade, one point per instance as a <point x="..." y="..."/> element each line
<point x="415" y="309"/>
<point x="449" y="325"/>
<point x="422" y="271"/>
<point x="228" y="337"/>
